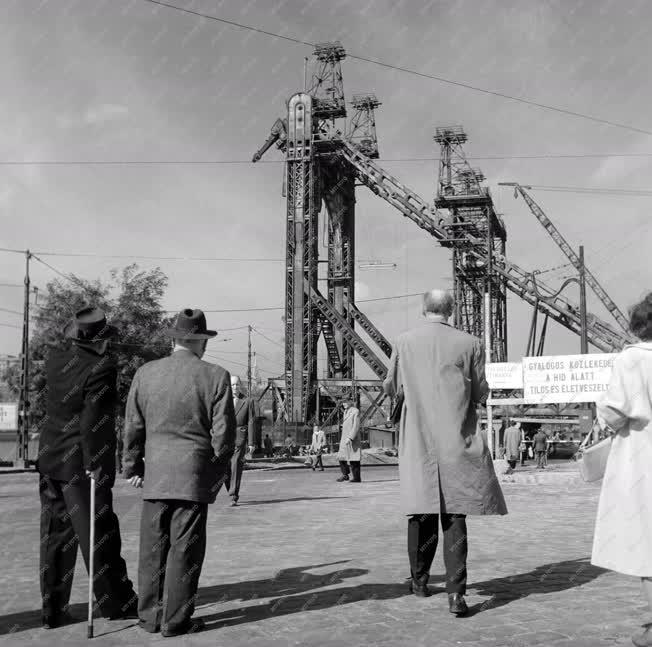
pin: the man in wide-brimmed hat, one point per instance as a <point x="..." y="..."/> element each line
<point x="180" y="432"/>
<point x="78" y="440"/>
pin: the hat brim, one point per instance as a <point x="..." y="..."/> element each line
<point x="174" y="333"/>
<point x="72" y="332"/>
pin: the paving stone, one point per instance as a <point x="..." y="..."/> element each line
<point x="308" y="561"/>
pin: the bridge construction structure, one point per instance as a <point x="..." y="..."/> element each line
<point x="331" y="148"/>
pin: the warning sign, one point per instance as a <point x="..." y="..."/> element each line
<point x="8" y="416"/>
<point x="504" y="375"/>
<point x="566" y="378"/>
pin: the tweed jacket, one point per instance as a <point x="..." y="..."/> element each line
<point x="78" y="431"/>
<point x="180" y="428"/>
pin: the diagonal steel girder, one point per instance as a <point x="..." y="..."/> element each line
<point x="339" y="322"/>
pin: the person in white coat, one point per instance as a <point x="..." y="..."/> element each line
<point x="316" y="448"/>
<point x="349" y="453"/>
<point x="623" y="527"/>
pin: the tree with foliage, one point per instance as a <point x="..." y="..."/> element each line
<point x="132" y="302"/>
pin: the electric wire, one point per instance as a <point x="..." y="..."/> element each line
<point x="190" y="162"/>
<point x="406" y="70"/>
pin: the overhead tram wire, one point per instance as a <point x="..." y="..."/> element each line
<point x="190" y="162"/>
<point x="406" y="70"/>
<point x="162" y="258"/>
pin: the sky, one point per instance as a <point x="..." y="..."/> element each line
<point x="127" y="81"/>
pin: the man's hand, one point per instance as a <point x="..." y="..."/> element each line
<point x="136" y="481"/>
<point x="94" y="474"/>
<point x="348" y="441"/>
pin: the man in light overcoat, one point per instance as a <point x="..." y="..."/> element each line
<point x="180" y="431"/>
<point x="445" y="467"/>
<point x="349" y="454"/>
<point x="512" y="442"/>
<point x="316" y="448"/>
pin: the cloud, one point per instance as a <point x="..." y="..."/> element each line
<point x="362" y="290"/>
<point x="613" y="169"/>
<point x="104" y="112"/>
<point x="93" y="115"/>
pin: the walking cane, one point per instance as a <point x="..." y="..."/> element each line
<point x="91" y="561"/>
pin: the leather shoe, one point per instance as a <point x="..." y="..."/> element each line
<point x="420" y="590"/>
<point x="126" y="612"/>
<point x="342" y="478"/>
<point x="60" y="620"/>
<point x="456" y="604"/>
<point x="191" y="627"/>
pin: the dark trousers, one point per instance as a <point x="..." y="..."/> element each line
<point x="65" y="525"/>
<point x="423" y="536"/>
<point x="233" y="474"/>
<point x="172" y="549"/>
<point x="541" y="458"/>
<point x="511" y="463"/>
<point x="317" y="461"/>
<point x="354" y="470"/>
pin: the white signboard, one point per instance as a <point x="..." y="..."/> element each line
<point x="566" y="378"/>
<point x="504" y="375"/>
<point x="8" y="416"/>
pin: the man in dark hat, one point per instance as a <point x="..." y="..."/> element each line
<point x="180" y="431"/>
<point x="77" y="440"/>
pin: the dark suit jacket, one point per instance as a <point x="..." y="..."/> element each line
<point x="78" y="431"/>
<point x="245" y="415"/>
<point x="179" y="428"/>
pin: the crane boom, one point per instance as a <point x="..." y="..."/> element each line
<point x="556" y="235"/>
<point x="517" y="280"/>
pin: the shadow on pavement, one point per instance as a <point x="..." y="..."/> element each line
<point x="307" y="602"/>
<point x="298" y="498"/>
<point x="549" y="578"/>
<point x="288" y="581"/>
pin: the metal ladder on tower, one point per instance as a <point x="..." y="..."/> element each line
<point x="338" y="321"/>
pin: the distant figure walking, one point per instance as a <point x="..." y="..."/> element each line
<point x="512" y="442"/>
<point x="349" y="454"/>
<point x="317" y="448"/>
<point x="269" y="446"/>
<point x="77" y="441"/>
<point x="445" y="466"/>
<point x="180" y="432"/>
<point x="540" y="447"/>
<point x="245" y="416"/>
<point x="623" y="527"/>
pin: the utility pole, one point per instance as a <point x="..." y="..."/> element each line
<point x="22" y="448"/>
<point x="584" y="341"/>
<point x="249" y="361"/>
<point x="487" y="329"/>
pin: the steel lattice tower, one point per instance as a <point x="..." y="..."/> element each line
<point x="476" y="232"/>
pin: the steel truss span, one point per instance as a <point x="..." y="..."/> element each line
<point x="325" y="158"/>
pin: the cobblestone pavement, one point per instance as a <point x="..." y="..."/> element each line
<point x="308" y="561"/>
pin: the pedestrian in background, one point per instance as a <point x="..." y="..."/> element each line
<point x="317" y="448"/>
<point x="512" y="440"/>
<point x="269" y="446"/>
<point x="349" y="454"/>
<point x="540" y="448"/>
<point x="78" y="440"/>
<point x="180" y="433"/>
<point x="623" y="527"/>
<point x="446" y="470"/>
<point x="245" y="417"/>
